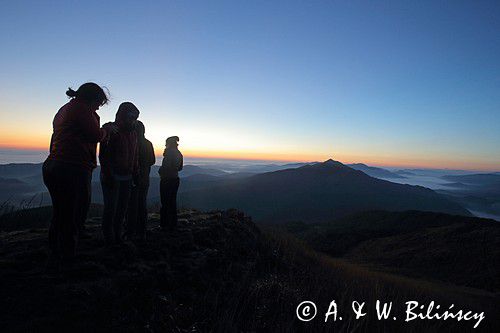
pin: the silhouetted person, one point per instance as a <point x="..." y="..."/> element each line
<point x="67" y="172"/>
<point x="137" y="210"/>
<point x="119" y="167"/>
<point x="169" y="184"/>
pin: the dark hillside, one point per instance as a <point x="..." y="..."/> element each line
<point x="456" y="249"/>
<point x="219" y="273"/>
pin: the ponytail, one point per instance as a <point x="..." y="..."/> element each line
<point x="89" y="92"/>
<point x="71" y="93"/>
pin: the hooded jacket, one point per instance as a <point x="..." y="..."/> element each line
<point x="119" y="154"/>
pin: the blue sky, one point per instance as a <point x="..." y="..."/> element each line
<point x="412" y="83"/>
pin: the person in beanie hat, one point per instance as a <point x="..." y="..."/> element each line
<point x="169" y="184"/>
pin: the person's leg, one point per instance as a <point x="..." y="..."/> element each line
<point x="131" y="218"/>
<point x="50" y="180"/>
<point x="171" y="191"/>
<point x="168" y="204"/>
<point x="81" y="182"/>
<point x="69" y="225"/>
<point x="66" y="184"/>
<point x="124" y="188"/>
<point x="164" y="203"/>
<point x="173" y="204"/>
<point x="85" y="199"/>
<point x="109" y="192"/>
<point x="142" y="211"/>
<point x="69" y="185"/>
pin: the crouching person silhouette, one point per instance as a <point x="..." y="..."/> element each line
<point x="119" y="167"/>
<point x="169" y="184"/>
<point x="67" y="172"/>
<point x="137" y="214"/>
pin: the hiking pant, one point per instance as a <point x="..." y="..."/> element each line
<point x="85" y="205"/>
<point x="70" y="191"/>
<point x="116" y="195"/>
<point x="137" y="211"/>
<point x="168" y="194"/>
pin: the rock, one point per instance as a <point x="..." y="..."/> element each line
<point x="150" y="287"/>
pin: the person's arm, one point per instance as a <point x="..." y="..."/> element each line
<point x="51" y="142"/>
<point x="181" y="162"/>
<point x="163" y="169"/>
<point x="136" y="170"/>
<point x="89" y="125"/>
<point x="104" y="159"/>
<point x="151" y="153"/>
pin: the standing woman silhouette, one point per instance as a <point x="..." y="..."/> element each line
<point x="67" y="172"/>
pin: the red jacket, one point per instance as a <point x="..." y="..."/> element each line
<point x="119" y="155"/>
<point x="76" y="134"/>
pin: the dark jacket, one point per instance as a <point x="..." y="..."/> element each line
<point x="146" y="160"/>
<point x="172" y="163"/>
<point x="76" y="134"/>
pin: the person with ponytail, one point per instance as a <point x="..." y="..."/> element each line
<point x="67" y="171"/>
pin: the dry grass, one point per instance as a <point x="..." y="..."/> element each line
<point x="296" y="273"/>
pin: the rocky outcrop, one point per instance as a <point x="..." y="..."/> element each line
<point x="165" y="284"/>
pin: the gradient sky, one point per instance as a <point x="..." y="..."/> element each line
<point x="402" y="83"/>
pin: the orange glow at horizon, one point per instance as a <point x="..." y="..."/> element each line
<point x="346" y="159"/>
<point x="27" y="143"/>
<point x="31" y="142"/>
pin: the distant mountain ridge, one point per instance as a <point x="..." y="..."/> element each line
<point x="374" y="171"/>
<point x="316" y="192"/>
<point x="478" y="192"/>
<point x="190" y="170"/>
<point x="33" y="170"/>
<point x="475" y="179"/>
<point x="16" y="170"/>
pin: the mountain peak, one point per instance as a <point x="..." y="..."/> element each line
<point x="329" y="165"/>
<point x="331" y="162"/>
